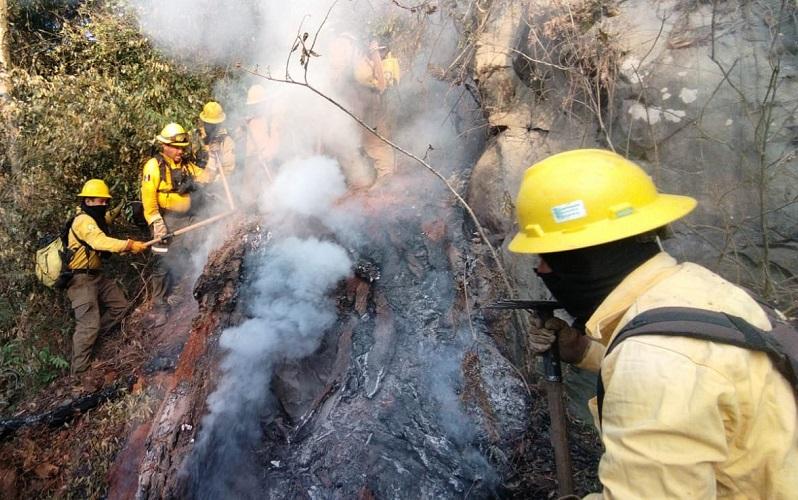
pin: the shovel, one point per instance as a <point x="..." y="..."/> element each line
<point x="186" y="229"/>
<point x="552" y="372"/>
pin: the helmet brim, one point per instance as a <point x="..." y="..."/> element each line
<point x="85" y="194"/>
<point x="166" y="141"/>
<point x="213" y="121"/>
<point x="664" y="210"/>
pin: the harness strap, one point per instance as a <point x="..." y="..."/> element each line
<point x="713" y="327"/>
<point x="88" y="248"/>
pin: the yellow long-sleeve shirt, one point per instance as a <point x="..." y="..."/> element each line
<point x="85" y="228"/>
<point x="157" y="194"/>
<point x="686" y="418"/>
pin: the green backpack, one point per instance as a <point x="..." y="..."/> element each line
<point x="52" y="260"/>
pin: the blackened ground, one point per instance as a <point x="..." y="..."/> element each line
<point x="407" y="396"/>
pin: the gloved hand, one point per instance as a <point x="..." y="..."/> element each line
<point x="134" y="246"/>
<point x="573" y="343"/>
<point x="159" y="230"/>
<point x="540" y="338"/>
<point x="202" y="158"/>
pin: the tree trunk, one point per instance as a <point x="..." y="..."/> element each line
<point x="5" y="49"/>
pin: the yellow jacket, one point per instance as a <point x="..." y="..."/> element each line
<point x="86" y="229"/>
<point x="157" y="194"/>
<point x="686" y="418"/>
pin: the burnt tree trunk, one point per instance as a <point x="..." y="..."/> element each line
<point x="405" y="396"/>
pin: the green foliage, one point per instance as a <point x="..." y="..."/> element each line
<point x="89" y="94"/>
<point x="11" y="368"/>
<point x="22" y="364"/>
<point x="50" y="365"/>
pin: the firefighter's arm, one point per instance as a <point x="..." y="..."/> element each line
<point x="203" y="175"/>
<point x="258" y="139"/>
<point x="150" y="179"/>
<point x="276" y="120"/>
<point x="86" y="229"/>
<point x="376" y="66"/>
<point x="663" y="424"/>
<point x="593" y="356"/>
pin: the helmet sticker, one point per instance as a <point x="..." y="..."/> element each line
<point x="569" y="211"/>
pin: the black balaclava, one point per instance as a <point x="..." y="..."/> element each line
<point x="97" y="212"/>
<point x="581" y="279"/>
<point x="210" y="131"/>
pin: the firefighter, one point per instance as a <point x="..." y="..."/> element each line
<point x="97" y="301"/>
<point x="360" y="78"/>
<point x="167" y="183"/>
<point x="262" y="135"/>
<point x="681" y="417"/>
<point x="214" y="148"/>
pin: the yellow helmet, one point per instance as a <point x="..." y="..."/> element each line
<point x="212" y="112"/>
<point x="174" y="135"/>
<point x="95" y="188"/>
<point x="587" y="197"/>
<point x="256" y="94"/>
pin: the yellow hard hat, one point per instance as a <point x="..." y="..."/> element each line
<point x="174" y="135"/>
<point x="212" y="112"/>
<point x="95" y="188"/>
<point x="256" y="94"/>
<point x="587" y="197"/>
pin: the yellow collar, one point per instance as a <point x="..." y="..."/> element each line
<point x="604" y="321"/>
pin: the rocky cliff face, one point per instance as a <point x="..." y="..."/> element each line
<point x="701" y="94"/>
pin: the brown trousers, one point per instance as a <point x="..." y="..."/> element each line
<point x="99" y="305"/>
<point x="170" y="267"/>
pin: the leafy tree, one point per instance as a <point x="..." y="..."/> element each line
<point x="89" y="94"/>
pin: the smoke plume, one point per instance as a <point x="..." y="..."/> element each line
<point x="290" y="311"/>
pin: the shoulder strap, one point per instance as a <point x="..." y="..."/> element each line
<point x="68" y="228"/>
<point x="162" y="172"/>
<point x="780" y="344"/>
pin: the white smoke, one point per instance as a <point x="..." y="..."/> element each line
<point x="290" y="311"/>
<point x="317" y="178"/>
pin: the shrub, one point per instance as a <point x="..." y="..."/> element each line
<point x="89" y="94"/>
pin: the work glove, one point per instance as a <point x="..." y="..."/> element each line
<point x="540" y="338"/>
<point x="134" y="246"/>
<point x="159" y="230"/>
<point x="572" y="343"/>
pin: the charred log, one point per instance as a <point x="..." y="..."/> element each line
<point x="64" y="413"/>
